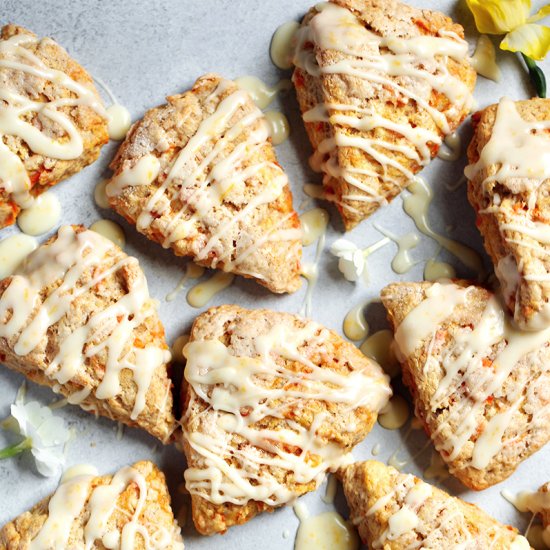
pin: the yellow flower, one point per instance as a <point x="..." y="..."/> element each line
<point x="511" y="17"/>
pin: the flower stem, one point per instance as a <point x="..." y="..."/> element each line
<point x="374" y="247"/>
<point x="537" y="76"/>
<point x="15" y="449"/>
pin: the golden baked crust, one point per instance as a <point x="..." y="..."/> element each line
<point x="238" y="219"/>
<point x="442" y="521"/>
<point x="386" y="18"/>
<point x="117" y="278"/>
<point x="339" y="426"/>
<point x="44" y="171"/>
<point x="156" y="515"/>
<point x="459" y="406"/>
<point x="517" y="253"/>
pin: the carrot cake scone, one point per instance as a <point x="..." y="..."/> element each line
<point x="52" y="120"/>
<point x="78" y="317"/>
<point x="380" y="84"/>
<point x="199" y="175"/>
<point x="129" y="511"/>
<point x="395" y="511"/>
<point x="509" y="187"/>
<point x="480" y="386"/>
<point x="273" y="402"/>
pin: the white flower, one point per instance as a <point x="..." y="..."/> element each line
<point x="352" y="261"/>
<point x="45" y="435"/>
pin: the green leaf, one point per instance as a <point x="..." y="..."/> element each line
<point x="537" y="76"/>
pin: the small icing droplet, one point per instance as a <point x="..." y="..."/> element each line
<point x="100" y="196"/>
<point x="13" y="250"/>
<point x="110" y="230"/>
<point x="279" y="128"/>
<point x="41" y="216"/>
<point x="118" y="121"/>
<point x="395" y="414"/>
<point x="203" y="292"/>
<point x="435" y="270"/>
<point x="282" y="47"/>
<point x="314" y="224"/>
<point x="355" y="324"/>
<point x="376" y="449"/>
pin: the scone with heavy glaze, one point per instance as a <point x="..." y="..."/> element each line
<point x="480" y="386"/>
<point x="53" y="123"/>
<point x="273" y="402"/>
<point x="128" y="510"/>
<point x="77" y="316"/>
<point x="380" y="84"/>
<point x="395" y="511"/>
<point x="509" y="188"/>
<point x="199" y="175"/>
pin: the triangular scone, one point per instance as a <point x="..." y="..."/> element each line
<point x="128" y="510"/>
<point x="46" y="141"/>
<point x="273" y="401"/>
<point x="199" y="175"/>
<point x="509" y="187"/>
<point x="395" y="511"/>
<point x="78" y="317"/>
<point x="479" y="385"/>
<point x="380" y="84"/>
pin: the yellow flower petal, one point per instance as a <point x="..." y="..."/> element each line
<point x="541" y="14"/>
<point x="531" y="39"/>
<point x="499" y="16"/>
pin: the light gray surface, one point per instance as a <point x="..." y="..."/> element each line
<point x="146" y="50"/>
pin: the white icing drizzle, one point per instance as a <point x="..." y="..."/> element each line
<point x="519" y="151"/>
<point x="192" y="271"/>
<point x="13" y="250"/>
<point x="16" y="56"/>
<point x="41" y="216"/>
<point x="202" y="293"/>
<point x="202" y="185"/>
<point x="240" y="392"/>
<point x="465" y="363"/>
<point x="262" y="94"/>
<point x="281" y="49"/>
<point x="110" y="230"/>
<point x="67" y="259"/>
<point x="402" y="261"/>
<point x="416" y="205"/>
<point x="278" y="126"/>
<point x="314" y="224"/>
<point x="421" y="61"/>
<point x="454" y="146"/>
<point x="77" y="497"/>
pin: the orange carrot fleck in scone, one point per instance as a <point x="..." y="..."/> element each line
<point x="129" y="510"/>
<point x="199" y="175"/>
<point x="273" y="401"/>
<point x="509" y="187"/>
<point x="78" y="317"/>
<point x="380" y="84"/>
<point x="395" y="511"/>
<point x="479" y="384"/>
<point x="52" y="120"/>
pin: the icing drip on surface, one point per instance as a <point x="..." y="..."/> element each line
<point x="326" y="531"/>
<point x="100" y="195"/>
<point x="215" y="166"/>
<point x="379" y="62"/>
<point x="41" y="216"/>
<point x="453" y="148"/>
<point x="15" y="56"/>
<point x="314" y="224"/>
<point x="244" y="392"/>
<point x="402" y="261"/>
<point x="70" y="259"/>
<point x="192" y="271"/>
<point x="379" y="347"/>
<point x="481" y="361"/>
<point x="79" y="496"/>
<point x="434" y="270"/>
<point x="279" y="127"/>
<point x="484" y="59"/>
<point x="395" y="414"/>
<point x="281" y="49"/>
<point x="110" y="230"/>
<point x="118" y="121"/>
<point x="259" y="91"/>
<point x="202" y="293"/>
<point x="355" y="325"/>
<point x="13" y="250"/>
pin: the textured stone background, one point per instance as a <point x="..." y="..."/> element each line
<point x="145" y="51"/>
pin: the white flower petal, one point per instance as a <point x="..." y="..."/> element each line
<point x="348" y="269"/>
<point x="342" y="247"/>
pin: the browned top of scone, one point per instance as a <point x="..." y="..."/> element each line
<point x="119" y="367"/>
<point x="90" y="123"/>
<point x="384" y="177"/>
<point x="300" y="421"/>
<point x="221" y="196"/>
<point x="505" y="209"/>
<point x="376" y="493"/>
<point x="468" y="373"/>
<point x="154" y="515"/>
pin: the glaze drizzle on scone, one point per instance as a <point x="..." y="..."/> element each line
<point x="508" y="187"/>
<point x="34" y="112"/>
<point x="43" y="296"/>
<point x="213" y="188"/>
<point x="478" y="382"/>
<point x="354" y="67"/>
<point x="266" y="430"/>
